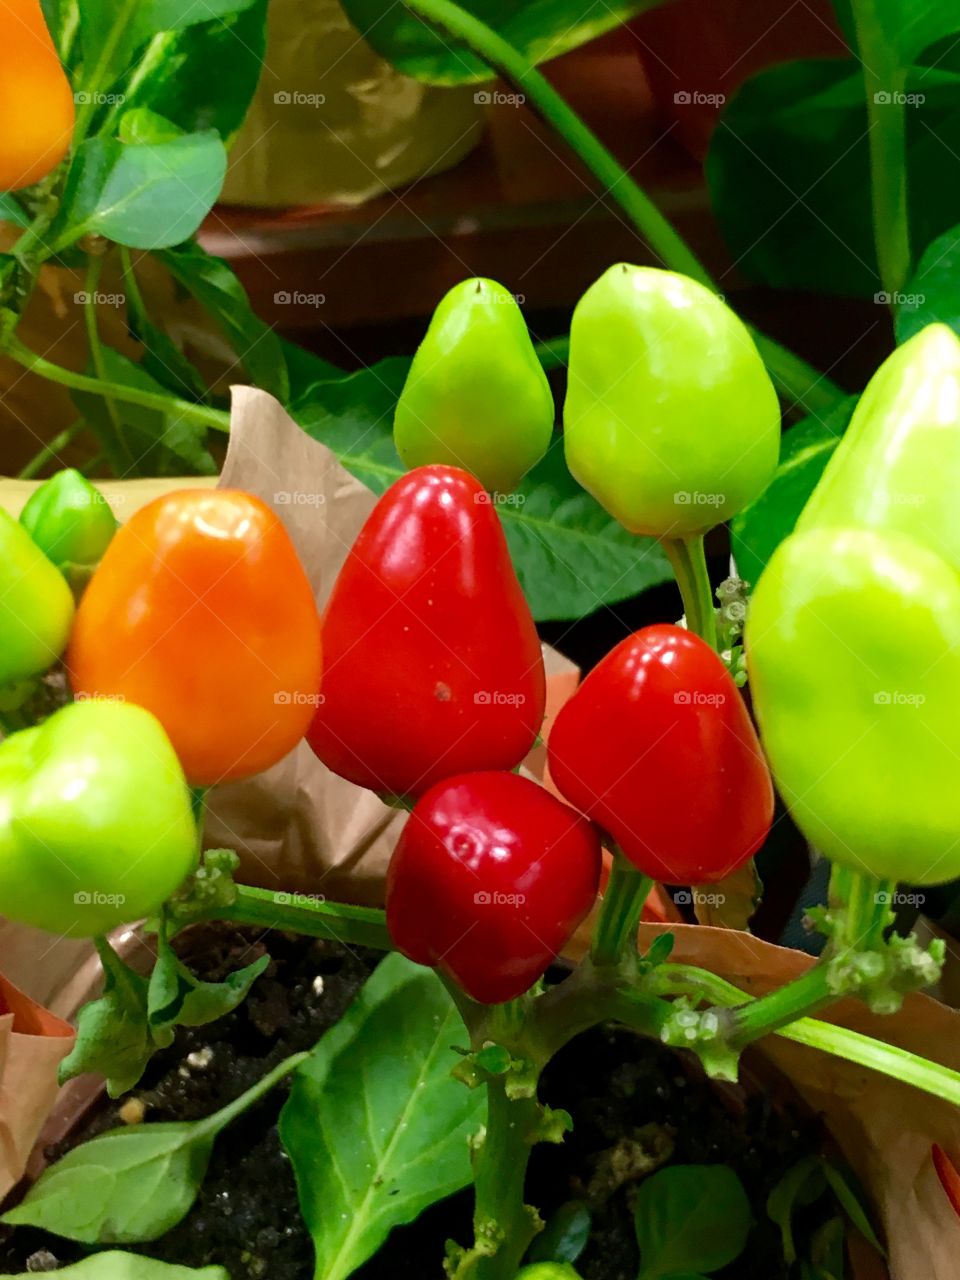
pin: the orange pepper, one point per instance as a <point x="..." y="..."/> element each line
<point x="36" y="99"/>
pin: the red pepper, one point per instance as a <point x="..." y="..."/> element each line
<point x="489" y="881"/>
<point x="657" y="747"/>
<point x="432" y="665"/>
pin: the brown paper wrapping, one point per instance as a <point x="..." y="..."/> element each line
<point x="300" y="828"/>
<point x="32" y="1044"/>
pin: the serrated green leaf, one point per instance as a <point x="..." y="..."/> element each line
<point x="539" y="29"/>
<point x="570" y="556"/>
<point x="805" y="451"/>
<point x="375" y="1125"/>
<point x="143" y="195"/>
<point x="215" y="286"/>
<point x="134" y="1183"/>
<point x="130" y="1266"/>
<point x="693" y="1217"/>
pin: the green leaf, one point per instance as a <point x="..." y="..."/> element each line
<point x="162" y="359"/>
<point x="134" y="1183"/>
<point x="143" y="195"/>
<point x="152" y="442"/>
<point x="803" y="1183"/>
<point x="215" y="286"/>
<point x="804" y="453"/>
<point x="789" y="172"/>
<point x="177" y="82"/>
<point x="846" y="1187"/>
<point x="933" y="295"/>
<point x="570" y="556"/>
<point x="828" y="1253"/>
<point x="540" y="29"/>
<point x="908" y="28"/>
<point x="114" y="1038"/>
<point x="375" y="1126"/>
<point x="11" y="210"/>
<point x="111" y="31"/>
<point x="565" y="1236"/>
<point x="140" y="124"/>
<point x="131" y="1266"/>
<point x="693" y="1217"/>
<point x="660" y="949"/>
<point x="177" y="998"/>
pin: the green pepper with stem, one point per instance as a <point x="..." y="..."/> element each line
<point x="72" y="524"/>
<point x="853" y="632"/>
<point x="36" y="607"/>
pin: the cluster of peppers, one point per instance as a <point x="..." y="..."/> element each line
<point x="192" y="644"/>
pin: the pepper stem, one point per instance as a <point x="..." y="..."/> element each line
<point x="689" y="563"/>
<point x="616" y="928"/>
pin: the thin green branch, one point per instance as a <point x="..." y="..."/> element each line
<point x="51" y="450"/>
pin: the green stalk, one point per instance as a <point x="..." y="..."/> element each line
<point x="799" y="381"/>
<point x="689" y="563"/>
<point x="852" y="1046"/>
<point x="40" y="459"/>
<point x="501" y="1216"/>
<point x="615" y="934"/>
<point x="216" y="418"/>
<point x="884" y="82"/>
<point x="115" y="444"/>
<point x="313" y="917"/>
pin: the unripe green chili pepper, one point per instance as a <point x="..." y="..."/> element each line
<point x="96" y="827"/>
<point x="36" y="607"/>
<point x="72" y="524"/>
<point x="671" y="420"/>
<point x="476" y="396"/>
<point x="853" y="632"/>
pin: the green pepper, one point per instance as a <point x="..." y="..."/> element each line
<point x="72" y="524"/>
<point x="96" y="828"/>
<point x="853" y="632"/>
<point x="548" y="1271"/>
<point x="36" y="607"/>
<point x="476" y="396"/>
<point x="671" y="420"/>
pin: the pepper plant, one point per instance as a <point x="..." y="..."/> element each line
<point x="427" y="637"/>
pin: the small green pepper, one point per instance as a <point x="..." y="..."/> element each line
<point x="671" y="420"/>
<point x="548" y="1271"/>
<point x="96" y="828"/>
<point x="72" y="524"/>
<point x="476" y="396"/>
<point x="853" y="631"/>
<point x="36" y="607"/>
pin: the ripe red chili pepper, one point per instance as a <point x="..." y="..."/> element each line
<point x="201" y="611"/>
<point x="432" y="665"/>
<point x="657" y="747"/>
<point x="489" y="880"/>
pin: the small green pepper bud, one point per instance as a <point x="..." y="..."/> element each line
<point x="476" y="396"/>
<point x="671" y="420"/>
<point x="36" y="607"/>
<point x="72" y="524"/>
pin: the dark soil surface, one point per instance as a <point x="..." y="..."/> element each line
<point x="627" y="1096"/>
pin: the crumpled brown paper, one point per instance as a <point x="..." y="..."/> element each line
<point x="32" y="1044"/>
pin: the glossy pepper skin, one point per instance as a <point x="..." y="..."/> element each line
<point x="201" y="611"/>
<point x="36" y="607"/>
<point x="671" y="420"/>
<point x="853" y="631"/>
<point x="476" y="396"/>
<point x="36" y="100"/>
<point x="432" y="665"/>
<point x="72" y="524"/>
<point x="95" y="821"/>
<point x="657" y="747"/>
<point x="489" y="881"/>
